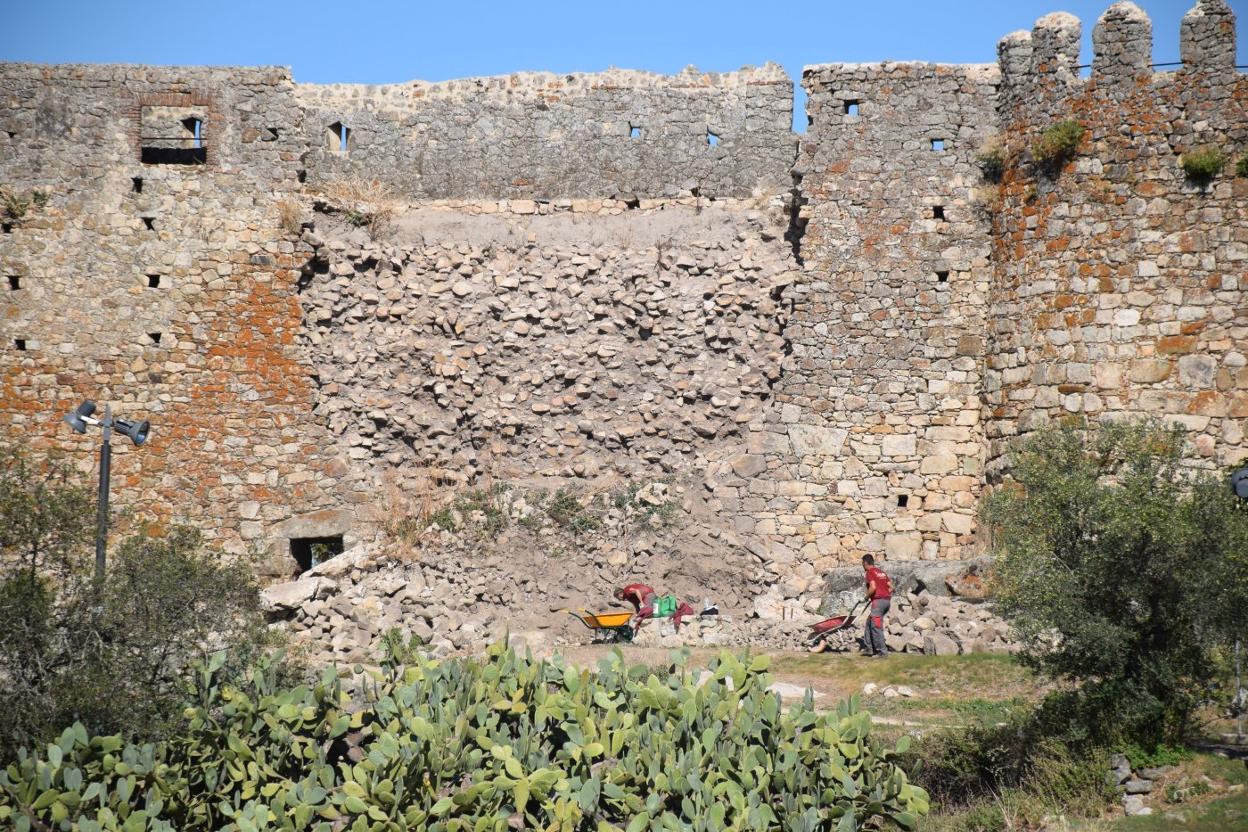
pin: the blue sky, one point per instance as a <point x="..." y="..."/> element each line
<point x="367" y="41"/>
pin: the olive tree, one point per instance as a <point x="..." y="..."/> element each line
<point x="114" y="656"/>
<point x="1121" y="568"/>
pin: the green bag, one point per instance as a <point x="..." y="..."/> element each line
<point x="665" y="605"/>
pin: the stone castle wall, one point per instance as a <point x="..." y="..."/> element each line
<point x="830" y="338"/>
<point x="545" y="136"/>
<point x="165" y="290"/>
<point x="875" y="444"/>
<point x="1119" y="281"/>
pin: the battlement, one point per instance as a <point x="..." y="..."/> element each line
<point x="1040" y="69"/>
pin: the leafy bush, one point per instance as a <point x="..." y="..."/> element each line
<point x="1161" y="755"/>
<point x="507" y="743"/>
<point x="1057" y="145"/>
<point x="113" y="657"/>
<point x="1121" y="569"/>
<point x="1203" y="164"/>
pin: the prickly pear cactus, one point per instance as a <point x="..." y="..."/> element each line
<point x="463" y="746"/>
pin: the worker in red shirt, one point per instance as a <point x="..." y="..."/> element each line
<point x="639" y="595"/>
<point x="879" y="596"/>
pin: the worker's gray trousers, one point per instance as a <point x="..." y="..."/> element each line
<point x="875" y="627"/>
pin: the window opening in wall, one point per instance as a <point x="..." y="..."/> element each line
<point x="153" y="281"/>
<point x="634" y="132"/>
<point x="155" y="336"/>
<point x="6" y="227"/>
<point x="339" y="136"/>
<point x="851" y="107"/>
<point x="195" y="127"/>
<point x="903" y="500"/>
<point x="149" y="223"/>
<point x="942" y="277"/>
<point x="172" y="136"/>
<point x="938" y="144"/>
<point x="136" y="184"/>
<point x="810" y="121"/>
<point x="20" y="344"/>
<point x="938" y="212"/>
<point x="15" y="282"/>
<point x="310" y="551"/>
<point x="712" y="139"/>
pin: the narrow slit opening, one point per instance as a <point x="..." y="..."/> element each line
<point x="852" y="107"/>
<point x="15" y="282"/>
<point x="938" y="212"/>
<point x="153" y="281"/>
<point x="20" y="344"/>
<point x="903" y="500"/>
<point x="155" y="336"/>
<point x="149" y="223"/>
<point x="942" y="277"/>
<point x="136" y="184"/>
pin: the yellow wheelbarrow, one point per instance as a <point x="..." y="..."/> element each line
<point x="606" y="626"/>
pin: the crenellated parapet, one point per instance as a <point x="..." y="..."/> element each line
<point x="1118" y="280"/>
<point x="1040" y="69"/>
<point x="1122" y="44"/>
<point x="1207" y="38"/>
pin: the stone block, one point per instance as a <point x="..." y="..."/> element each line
<point x="904" y="445"/>
<point x="903" y="545"/>
<point x="810" y="440"/>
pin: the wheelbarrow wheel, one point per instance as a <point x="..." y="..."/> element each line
<point x="819" y="646"/>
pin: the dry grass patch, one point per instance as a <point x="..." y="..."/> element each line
<point x="364" y="203"/>
<point x="290" y="216"/>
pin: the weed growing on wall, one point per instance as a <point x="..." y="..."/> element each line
<point x="1241" y="167"/>
<point x="1057" y="145"/>
<point x="1203" y="164"/>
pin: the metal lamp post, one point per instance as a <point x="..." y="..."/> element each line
<point x="137" y="432"/>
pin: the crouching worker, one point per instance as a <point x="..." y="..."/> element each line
<point x="650" y="604"/>
<point x="879" y="596"/>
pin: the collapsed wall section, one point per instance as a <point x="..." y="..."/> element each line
<point x="874" y="443"/>
<point x="1119" y="278"/>
<point x="544" y="136"/>
<point x="567" y="344"/>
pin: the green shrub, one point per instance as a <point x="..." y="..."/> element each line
<point x="1203" y="164"/>
<point x="114" y="657"/>
<point x="1057" y="145"/>
<point x="506" y="743"/>
<point x="1241" y="167"/>
<point x="1161" y="755"/>
<point x="1008" y="776"/>
<point x="1121" y="569"/>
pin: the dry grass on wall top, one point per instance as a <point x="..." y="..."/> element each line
<point x="364" y="203"/>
